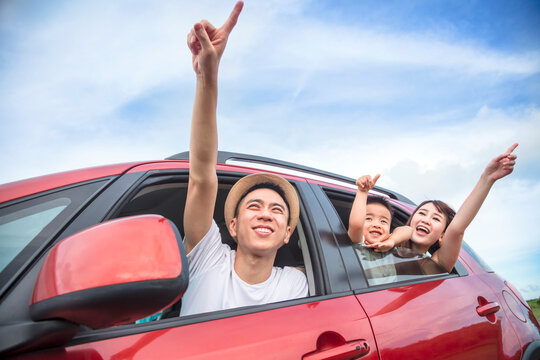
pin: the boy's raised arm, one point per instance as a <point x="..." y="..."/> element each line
<point x="497" y="168"/>
<point x="207" y="45"/>
<point x="358" y="210"/>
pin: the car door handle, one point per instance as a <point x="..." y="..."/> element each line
<point x="488" y="309"/>
<point x="353" y="349"/>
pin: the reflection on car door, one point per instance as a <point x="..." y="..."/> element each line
<point x="438" y="319"/>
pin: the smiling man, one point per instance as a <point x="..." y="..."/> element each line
<point x="261" y="210"/>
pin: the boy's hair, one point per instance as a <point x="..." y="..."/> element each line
<point x="382" y="201"/>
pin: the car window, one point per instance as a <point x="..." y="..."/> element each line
<point x="28" y="224"/>
<point x="166" y="195"/>
<point x="399" y="264"/>
<point x="477" y="257"/>
<point x="18" y="228"/>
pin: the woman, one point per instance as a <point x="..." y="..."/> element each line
<point x="436" y="227"/>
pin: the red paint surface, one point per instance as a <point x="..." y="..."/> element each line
<point x="438" y="319"/>
<point x="527" y="331"/>
<point x="17" y="189"/>
<point x="286" y="333"/>
<point x="119" y="251"/>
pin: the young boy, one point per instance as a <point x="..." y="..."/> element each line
<point x="370" y="219"/>
<point x="369" y="227"/>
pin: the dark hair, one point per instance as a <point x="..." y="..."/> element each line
<point x="442" y="207"/>
<point x="264" y="185"/>
<point x="381" y="201"/>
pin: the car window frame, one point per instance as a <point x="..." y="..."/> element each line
<point x="311" y="218"/>
<point x="355" y="268"/>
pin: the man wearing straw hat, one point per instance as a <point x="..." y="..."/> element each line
<point x="261" y="210"/>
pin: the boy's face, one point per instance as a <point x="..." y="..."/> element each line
<point x="377" y="224"/>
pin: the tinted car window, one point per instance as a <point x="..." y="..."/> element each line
<point x="28" y="224"/>
<point x="476" y="257"/>
<point x="18" y="228"/>
<point x="398" y="264"/>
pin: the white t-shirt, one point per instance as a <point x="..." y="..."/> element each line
<point x="214" y="285"/>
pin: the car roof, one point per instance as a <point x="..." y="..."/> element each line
<point x="227" y="161"/>
<point x="22" y="188"/>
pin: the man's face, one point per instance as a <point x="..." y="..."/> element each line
<point x="261" y="226"/>
<point x="377" y="223"/>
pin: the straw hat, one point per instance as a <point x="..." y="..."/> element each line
<point x="247" y="182"/>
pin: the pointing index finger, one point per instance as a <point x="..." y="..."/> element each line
<point x="376" y="178"/>
<point x="511" y="148"/>
<point x="233" y="18"/>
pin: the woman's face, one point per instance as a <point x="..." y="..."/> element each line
<point x="428" y="224"/>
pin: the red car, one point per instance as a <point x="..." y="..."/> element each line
<point x="87" y="253"/>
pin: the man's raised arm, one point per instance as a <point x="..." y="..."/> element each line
<point x="206" y="44"/>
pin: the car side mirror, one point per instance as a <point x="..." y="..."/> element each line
<point x="113" y="273"/>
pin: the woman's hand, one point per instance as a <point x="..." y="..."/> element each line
<point x="366" y="183"/>
<point x="207" y="43"/>
<point x="502" y="165"/>
<point x="382" y="246"/>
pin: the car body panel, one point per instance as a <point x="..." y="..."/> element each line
<point x="284" y="333"/>
<point x="18" y="189"/>
<point x="441" y="322"/>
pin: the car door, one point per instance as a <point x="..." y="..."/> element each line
<point x="438" y="319"/>
<point x="329" y="323"/>
<point x="294" y="330"/>
<point x="428" y="315"/>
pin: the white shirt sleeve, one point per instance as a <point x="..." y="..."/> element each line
<point x="208" y="253"/>
<point x="298" y="282"/>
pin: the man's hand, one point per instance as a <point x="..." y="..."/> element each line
<point x="207" y="43"/>
<point x="502" y="165"/>
<point x="366" y="183"/>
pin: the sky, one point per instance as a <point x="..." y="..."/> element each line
<point x="423" y="92"/>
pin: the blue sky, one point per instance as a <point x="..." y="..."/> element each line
<point x="423" y="92"/>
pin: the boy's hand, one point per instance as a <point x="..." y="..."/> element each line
<point x="502" y="165"/>
<point x="207" y="43"/>
<point x="382" y="246"/>
<point x="366" y="183"/>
